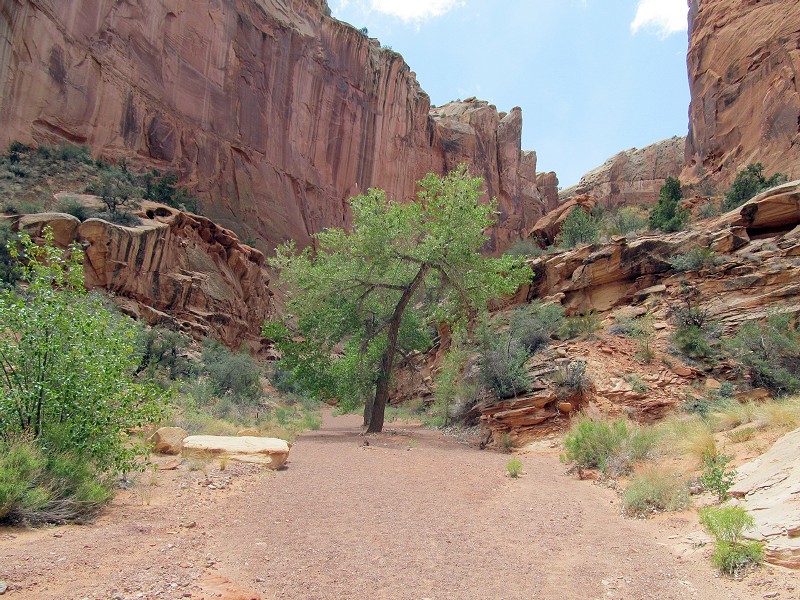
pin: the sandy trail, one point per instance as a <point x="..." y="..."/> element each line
<point x="412" y="515"/>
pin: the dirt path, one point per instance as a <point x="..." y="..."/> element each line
<point x="413" y="515"/>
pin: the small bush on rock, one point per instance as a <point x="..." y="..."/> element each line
<point x="578" y="228"/>
<point x="749" y="183"/>
<point x="668" y="215"/>
<point x="694" y="260"/>
<point x="655" y="490"/>
<point x="535" y="324"/>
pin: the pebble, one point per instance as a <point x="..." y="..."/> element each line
<point x="3" y="587"/>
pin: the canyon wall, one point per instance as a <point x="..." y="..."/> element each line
<point x="744" y="76"/>
<point x="271" y="111"/>
<point x="633" y="177"/>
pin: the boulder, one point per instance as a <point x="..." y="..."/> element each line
<point x="270" y="452"/>
<point x="769" y="489"/>
<point x="168" y="440"/>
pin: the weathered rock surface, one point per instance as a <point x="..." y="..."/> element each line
<point x="769" y="488"/>
<point x="547" y="228"/>
<point x="548" y="188"/>
<point x="743" y="65"/>
<point x="270" y="452"/>
<point x="273" y="112"/>
<point x="168" y="440"/>
<point x="175" y="269"/>
<point x="633" y="177"/>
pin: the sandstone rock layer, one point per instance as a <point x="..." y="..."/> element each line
<point x="273" y="112"/>
<point x="744" y="62"/>
<point x="633" y="177"/>
<point x="270" y="452"/>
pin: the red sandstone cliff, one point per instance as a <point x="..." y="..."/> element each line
<point x="744" y="75"/>
<point x="272" y="111"/>
<point x="632" y="177"/>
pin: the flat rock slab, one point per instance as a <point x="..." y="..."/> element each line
<point x="769" y="488"/>
<point x="271" y="452"/>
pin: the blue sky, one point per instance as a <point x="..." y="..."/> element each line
<point x="593" y="77"/>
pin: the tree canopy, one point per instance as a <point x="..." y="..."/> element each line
<point x="359" y="298"/>
<point x="668" y="215"/>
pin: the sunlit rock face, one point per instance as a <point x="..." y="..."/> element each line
<point x="271" y="110"/>
<point x="743" y="62"/>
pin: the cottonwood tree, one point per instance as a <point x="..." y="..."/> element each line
<point x="360" y="298"/>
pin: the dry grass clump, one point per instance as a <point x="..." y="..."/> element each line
<point x="689" y="435"/>
<point x="733" y="414"/>
<point x="783" y="413"/>
<point x="655" y="489"/>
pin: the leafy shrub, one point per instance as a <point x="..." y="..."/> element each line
<point x="580" y="325"/>
<point x="235" y="375"/>
<point x="714" y="477"/>
<point x="163" y="350"/>
<point x="573" y="376"/>
<point x="535" y="324"/>
<point x="694" y="260"/>
<point x="578" y="228"/>
<point x="8" y="272"/>
<point x="68" y="361"/>
<point x="163" y="189"/>
<point x="692" y="341"/>
<point x="56" y="487"/>
<point x="514" y="467"/>
<point x="611" y="446"/>
<point x="523" y="247"/>
<point x="120" y="217"/>
<point x="655" y="490"/>
<point x="503" y="368"/>
<point x="708" y="210"/>
<point x="749" y="183"/>
<point x="732" y="554"/>
<point x="623" y="221"/>
<point x="771" y="353"/>
<point x="668" y="215"/>
<point x="75" y="208"/>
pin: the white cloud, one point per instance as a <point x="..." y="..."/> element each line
<point x="415" y="10"/>
<point x="664" y="17"/>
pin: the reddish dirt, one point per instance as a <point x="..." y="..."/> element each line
<point x="414" y="514"/>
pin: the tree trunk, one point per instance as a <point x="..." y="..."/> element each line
<point x="375" y="410"/>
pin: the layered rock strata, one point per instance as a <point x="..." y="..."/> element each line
<point x="744" y="67"/>
<point x="176" y="269"/>
<point x="633" y="177"/>
<point x="273" y="112"/>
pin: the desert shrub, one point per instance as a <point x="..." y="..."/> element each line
<point x="749" y="183"/>
<point x="579" y="227"/>
<point x="514" y="467"/>
<point x="637" y="383"/>
<point x="668" y="215"/>
<point x="623" y="221"/>
<point x="732" y="553"/>
<point x="74" y="207"/>
<point x="68" y="361"/>
<point x="235" y="375"/>
<point x="715" y="478"/>
<point x="503" y="368"/>
<point x="610" y="446"/>
<point x="54" y="487"/>
<point x="448" y="382"/>
<point x="783" y="413"/>
<point x="117" y="188"/>
<point x="8" y="272"/>
<point x="163" y="350"/>
<point x="694" y="260"/>
<point x="572" y="376"/>
<point x="708" y="210"/>
<point x="523" y="247"/>
<point x="655" y="490"/>
<point x="771" y="353"/>
<point x="693" y="342"/>
<point x="163" y="189"/>
<point x="535" y="324"/>
<point x="579" y="325"/>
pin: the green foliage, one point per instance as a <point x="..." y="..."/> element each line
<point x="771" y="353"/>
<point x="732" y="553"/>
<point x="623" y="221"/>
<point x="708" y="210"/>
<point x="67" y="362"/>
<point x="655" y="490"/>
<point x="75" y="208"/>
<point x="668" y="215"/>
<point x="118" y="189"/>
<point x="579" y="227"/>
<point x="235" y="375"/>
<point x="163" y="351"/>
<point x="572" y="376"/>
<point x="164" y="189"/>
<point x="694" y="260"/>
<point x="524" y="248"/>
<point x="514" y="467"/>
<point x="714" y="477"/>
<point x="448" y="385"/>
<point x="503" y="367"/>
<point x="610" y="446"/>
<point x="692" y="341"/>
<point x="8" y="271"/>
<point x="581" y="325"/>
<point x="53" y="487"/>
<point x="637" y="383"/>
<point x="370" y="293"/>
<point x="749" y="183"/>
<point x="534" y="324"/>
